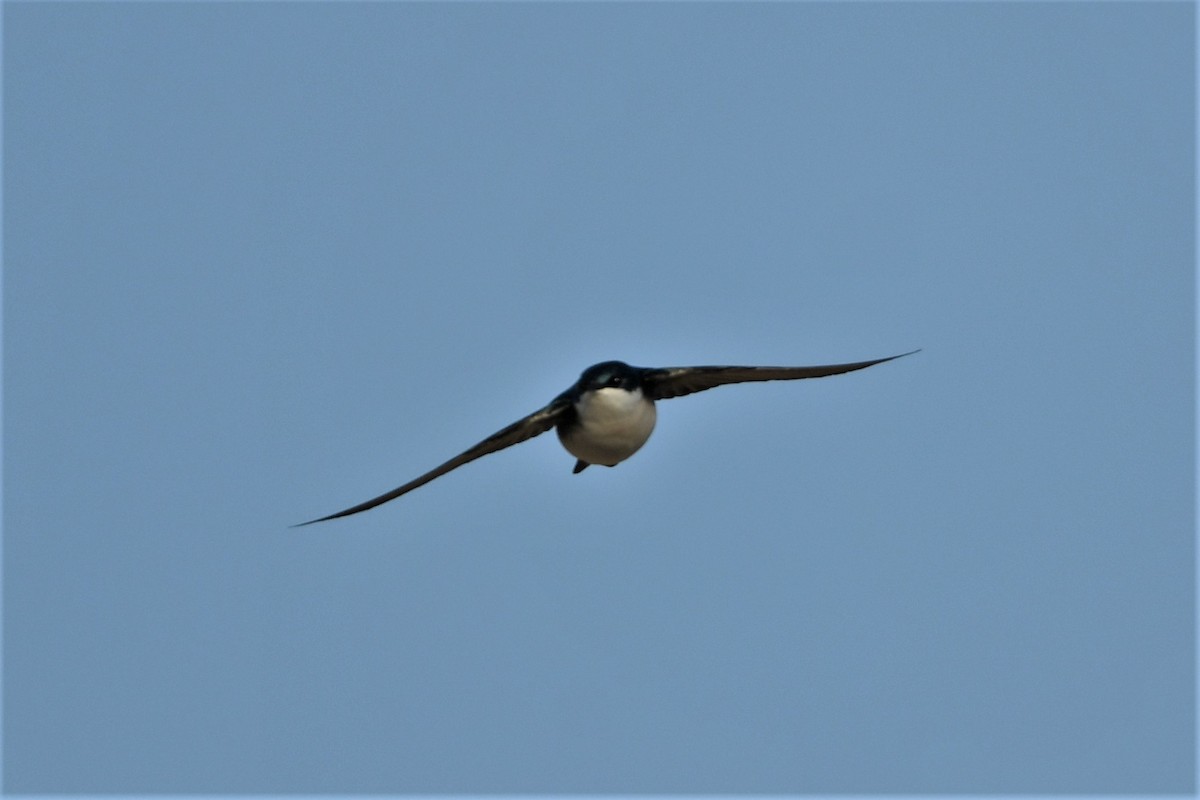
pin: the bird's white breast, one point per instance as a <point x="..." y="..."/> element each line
<point x="612" y="425"/>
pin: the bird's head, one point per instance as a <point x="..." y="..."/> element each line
<point x="610" y="374"/>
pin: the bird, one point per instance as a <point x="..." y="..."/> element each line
<point x="608" y="414"/>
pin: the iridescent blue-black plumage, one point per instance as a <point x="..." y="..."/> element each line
<point x="610" y="399"/>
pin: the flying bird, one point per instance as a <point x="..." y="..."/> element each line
<point x="608" y="414"/>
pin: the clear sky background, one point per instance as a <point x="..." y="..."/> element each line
<point x="265" y="261"/>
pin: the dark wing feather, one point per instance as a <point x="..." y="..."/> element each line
<point x="528" y="427"/>
<point x="661" y="384"/>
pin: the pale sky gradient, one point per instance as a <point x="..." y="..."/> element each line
<point x="265" y="261"/>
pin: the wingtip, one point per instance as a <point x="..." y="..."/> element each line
<point x="312" y="521"/>
<point x="900" y="355"/>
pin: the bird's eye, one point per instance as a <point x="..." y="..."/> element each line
<point x="615" y="380"/>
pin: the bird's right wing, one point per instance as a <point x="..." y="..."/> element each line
<point x="525" y="428"/>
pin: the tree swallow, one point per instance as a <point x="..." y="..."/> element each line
<point x="609" y="413"/>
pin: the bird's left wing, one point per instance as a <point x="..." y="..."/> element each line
<point x="525" y="428"/>
<point x="659" y="384"/>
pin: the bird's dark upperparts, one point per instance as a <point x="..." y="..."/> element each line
<point x="609" y="413"/>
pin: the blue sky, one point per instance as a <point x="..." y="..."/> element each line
<point x="265" y="261"/>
